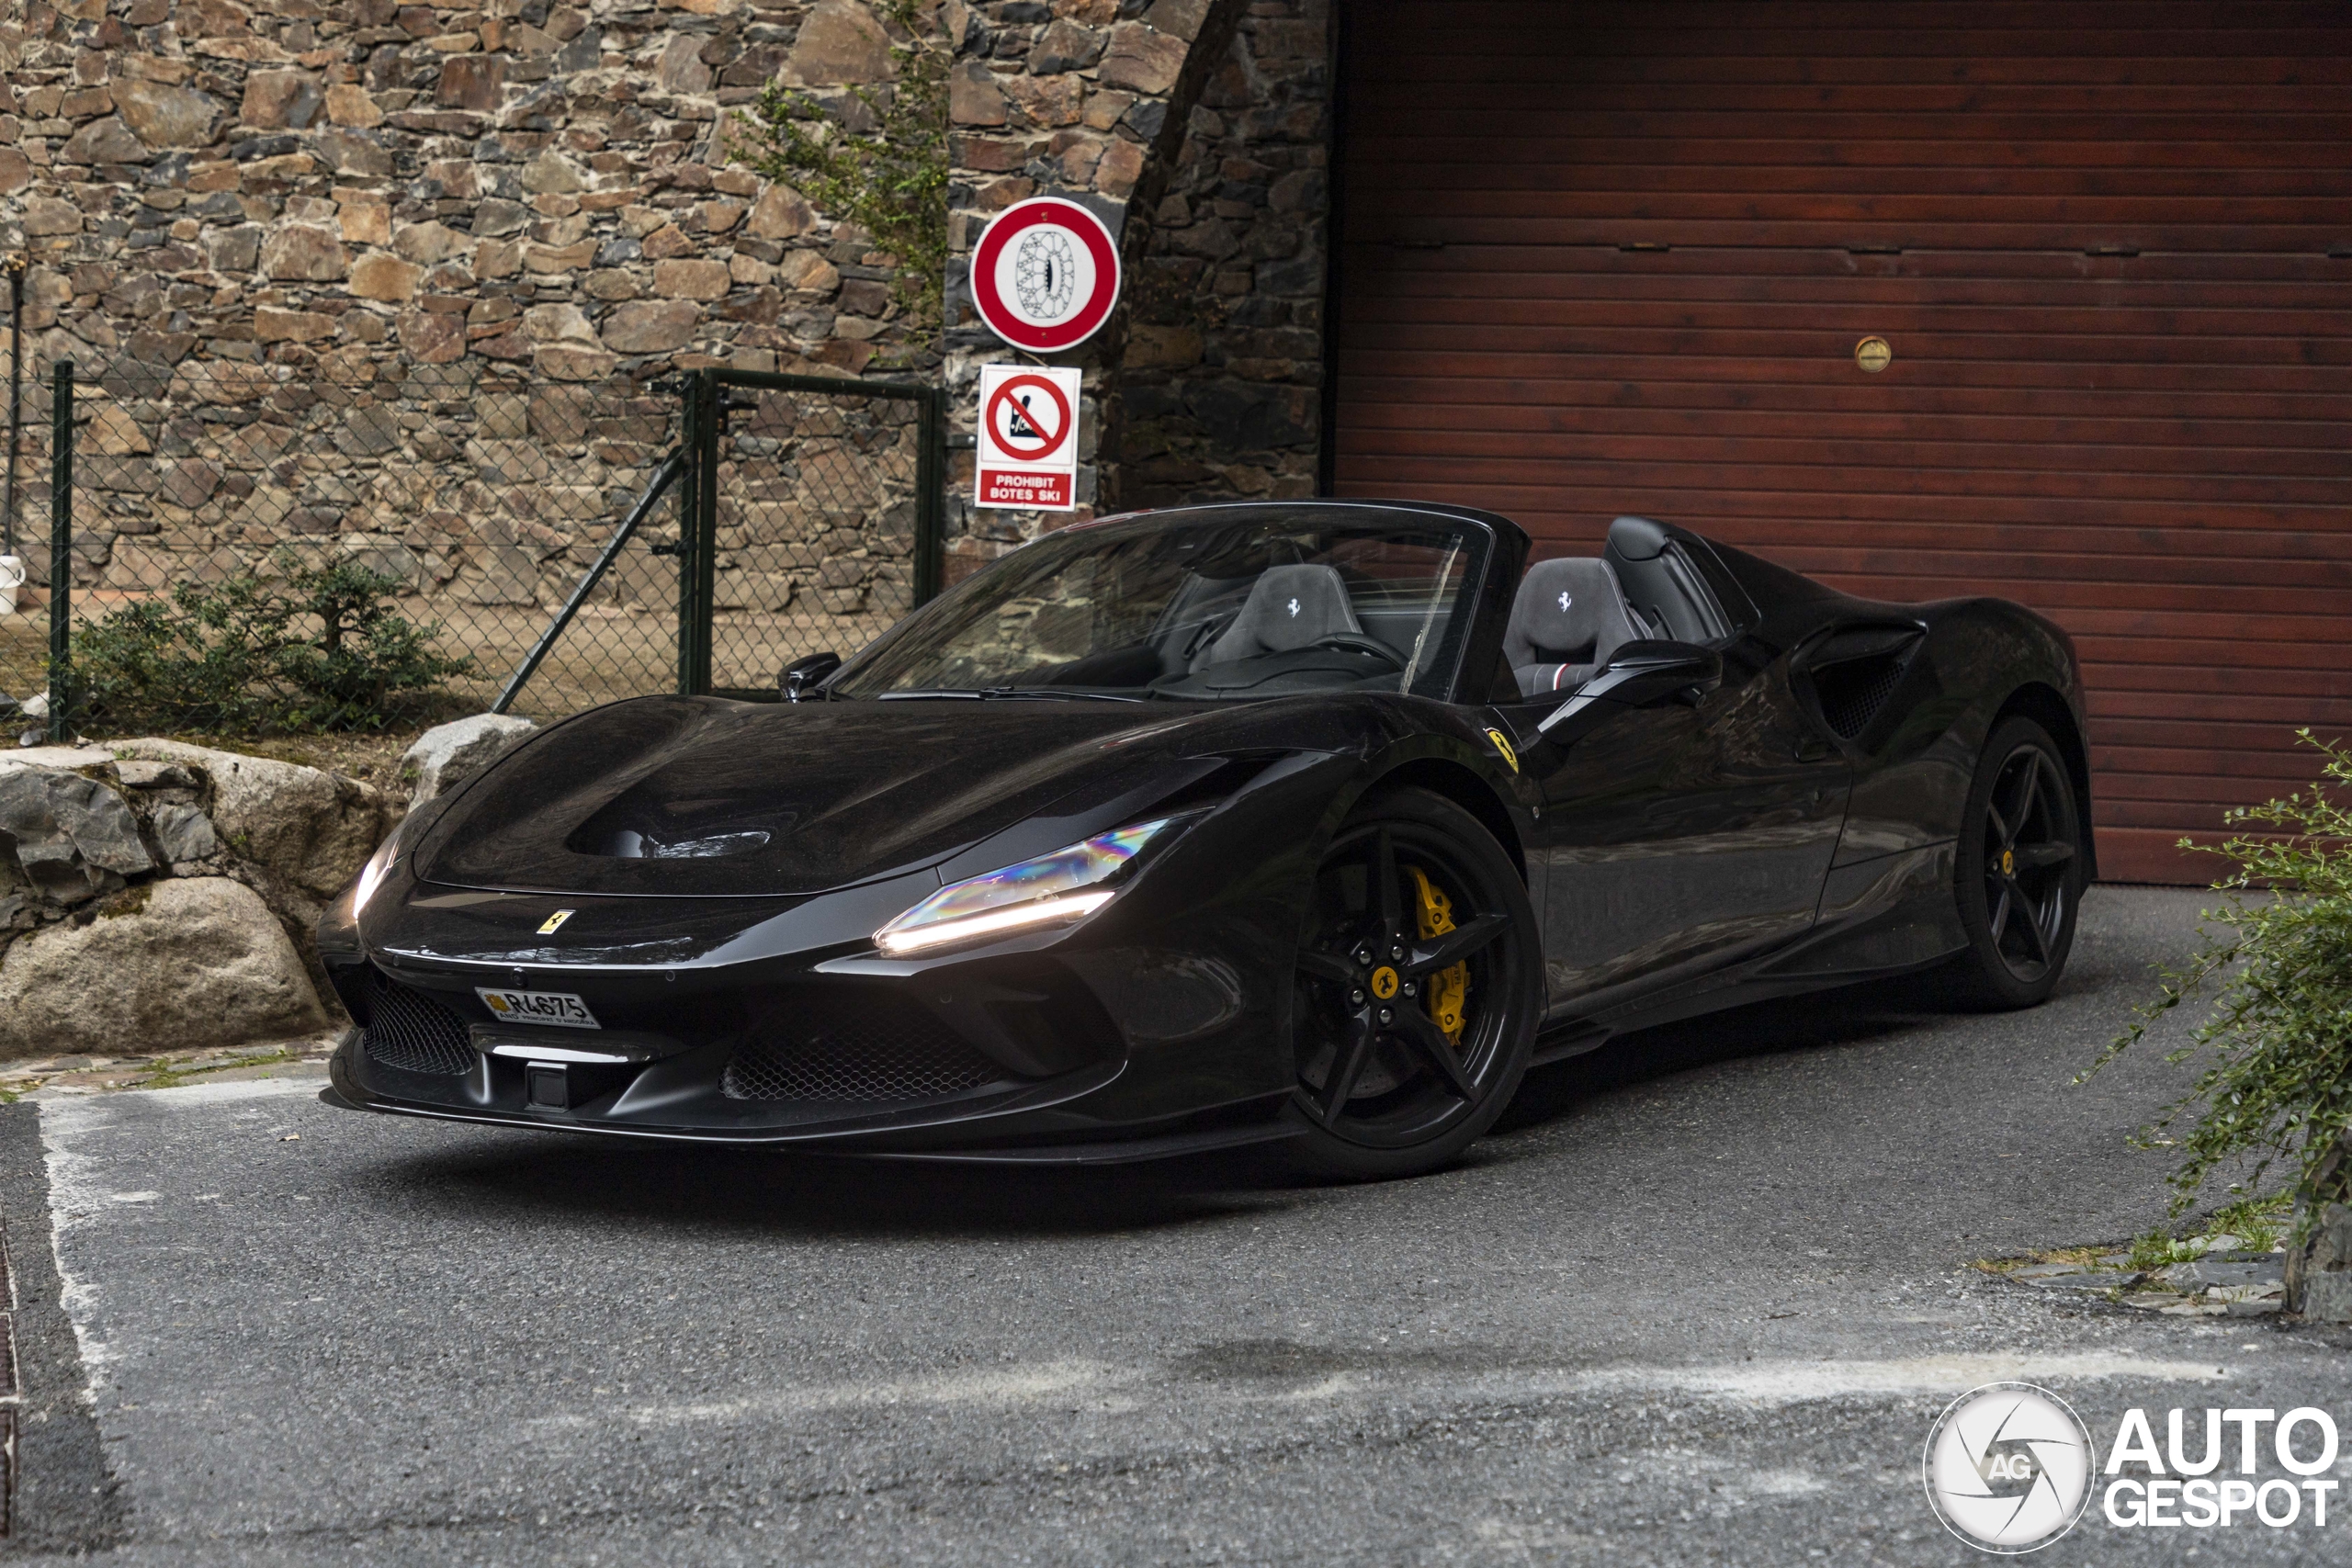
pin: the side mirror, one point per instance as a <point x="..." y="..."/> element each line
<point x="1640" y="674"/>
<point x="802" y="674"/>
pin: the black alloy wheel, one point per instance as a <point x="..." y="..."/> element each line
<point x="2019" y="876"/>
<point x="1418" y="989"/>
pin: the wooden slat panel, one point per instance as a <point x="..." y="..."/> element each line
<point x="2149" y="448"/>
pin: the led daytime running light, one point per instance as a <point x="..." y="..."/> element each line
<point x="1063" y="886"/>
<point x="1037" y="912"/>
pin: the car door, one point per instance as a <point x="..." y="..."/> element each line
<point x="1681" y="835"/>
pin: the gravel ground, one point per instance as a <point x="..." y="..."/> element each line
<point x="1697" y="1302"/>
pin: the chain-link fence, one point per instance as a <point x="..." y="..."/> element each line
<point x="208" y="498"/>
<point x="23" y="575"/>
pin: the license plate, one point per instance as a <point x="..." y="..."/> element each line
<point x="561" y="1008"/>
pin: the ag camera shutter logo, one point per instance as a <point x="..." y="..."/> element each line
<point x="2008" y="1468"/>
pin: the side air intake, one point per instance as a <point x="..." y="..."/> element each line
<point x="1855" y="673"/>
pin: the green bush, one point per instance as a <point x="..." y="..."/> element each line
<point x="307" y="649"/>
<point x="2277" y="1084"/>
<point x="891" y="181"/>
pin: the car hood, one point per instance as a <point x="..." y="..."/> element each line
<point x="700" y="796"/>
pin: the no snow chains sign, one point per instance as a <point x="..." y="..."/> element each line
<point x="1044" y="275"/>
<point x="1028" y="448"/>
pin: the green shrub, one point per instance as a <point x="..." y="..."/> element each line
<point x="2277" y="1084"/>
<point x="890" y="182"/>
<point x="307" y="648"/>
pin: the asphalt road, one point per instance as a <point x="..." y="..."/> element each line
<point x="1698" y="1302"/>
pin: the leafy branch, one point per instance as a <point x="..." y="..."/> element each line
<point x="890" y="182"/>
<point x="2278" y="1085"/>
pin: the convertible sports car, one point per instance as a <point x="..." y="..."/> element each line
<point x="1316" y="821"/>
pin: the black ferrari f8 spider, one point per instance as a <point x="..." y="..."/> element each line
<point x="1315" y="821"/>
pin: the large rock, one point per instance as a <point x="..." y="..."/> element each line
<point x="446" y="755"/>
<point x="313" y="830"/>
<point x="71" y="836"/>
<point x="180" y="964"/>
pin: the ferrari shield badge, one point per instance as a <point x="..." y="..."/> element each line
<point x="555" y="922"/>
<point x="1503" y="747"/>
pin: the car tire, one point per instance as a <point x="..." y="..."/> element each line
<point x="2019" y="874"/>
<point x="1445" y="932"/>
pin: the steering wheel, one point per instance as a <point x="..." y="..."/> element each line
<point x="1360" y="644"/>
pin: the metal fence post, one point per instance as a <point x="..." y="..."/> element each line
<point x="698" y="532"/>
<point x="689" y="485"/>
<point x="930" y="477"/>
<point x="60" y="556"/>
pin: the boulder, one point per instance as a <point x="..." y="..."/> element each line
<point x="71" y="836"/>
<point x="183" y="833"/>
<point x="313" y="830"/>
<point x="187" y="964"/>
<point x="448" y="754"/>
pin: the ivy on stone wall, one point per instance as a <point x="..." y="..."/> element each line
<point x="889" y="179"/>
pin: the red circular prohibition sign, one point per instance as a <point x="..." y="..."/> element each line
<point x="1006" y="227"/>
<point x="1047" y="445"/>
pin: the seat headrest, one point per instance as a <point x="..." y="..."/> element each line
<point x="1564" y="607"/>
<point x="1289" y="607"/>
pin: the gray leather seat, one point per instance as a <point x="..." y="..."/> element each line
<point x="1289" y="607"/>
<point x="1569" y="616"/>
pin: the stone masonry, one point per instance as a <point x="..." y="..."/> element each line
<point x="395" y="280"/>
<point x="1199" y="130"/>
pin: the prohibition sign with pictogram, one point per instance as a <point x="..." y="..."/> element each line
<point x="1044" y="275"/>
<point x="1029" y="418"/>
<point x="1028" y="438"/>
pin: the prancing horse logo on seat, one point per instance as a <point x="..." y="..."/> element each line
<point x="1294" y="609"/>
<point x="1564" y="602"/>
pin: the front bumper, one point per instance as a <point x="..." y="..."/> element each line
<point x="1058" y="1046"/>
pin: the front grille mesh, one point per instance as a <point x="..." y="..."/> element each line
<point x="410" y="1031"/>
<point x="866" y="1051"/>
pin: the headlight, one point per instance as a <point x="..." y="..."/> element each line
<point x="1058" y="888"/>
<point x="379" y="865"/>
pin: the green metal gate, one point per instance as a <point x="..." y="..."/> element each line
<point x="811" y="520"/>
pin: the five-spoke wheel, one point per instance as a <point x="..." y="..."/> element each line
<point x="1418" y="989"/>
<point x="2020" y="872"/>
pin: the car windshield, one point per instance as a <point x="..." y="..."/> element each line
<point x="1238" y="603"/>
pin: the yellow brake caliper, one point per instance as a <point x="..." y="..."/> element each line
<point x="1449" y="989"/>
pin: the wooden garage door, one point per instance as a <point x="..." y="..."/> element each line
<point x="1605" y="258"/>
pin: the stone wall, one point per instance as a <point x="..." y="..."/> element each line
<point x="1199" y="130"/>
<point x="456" y="210"/>
<point x="394" y="281"/>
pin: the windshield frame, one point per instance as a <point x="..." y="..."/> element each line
<point x="1486" y="541"/>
